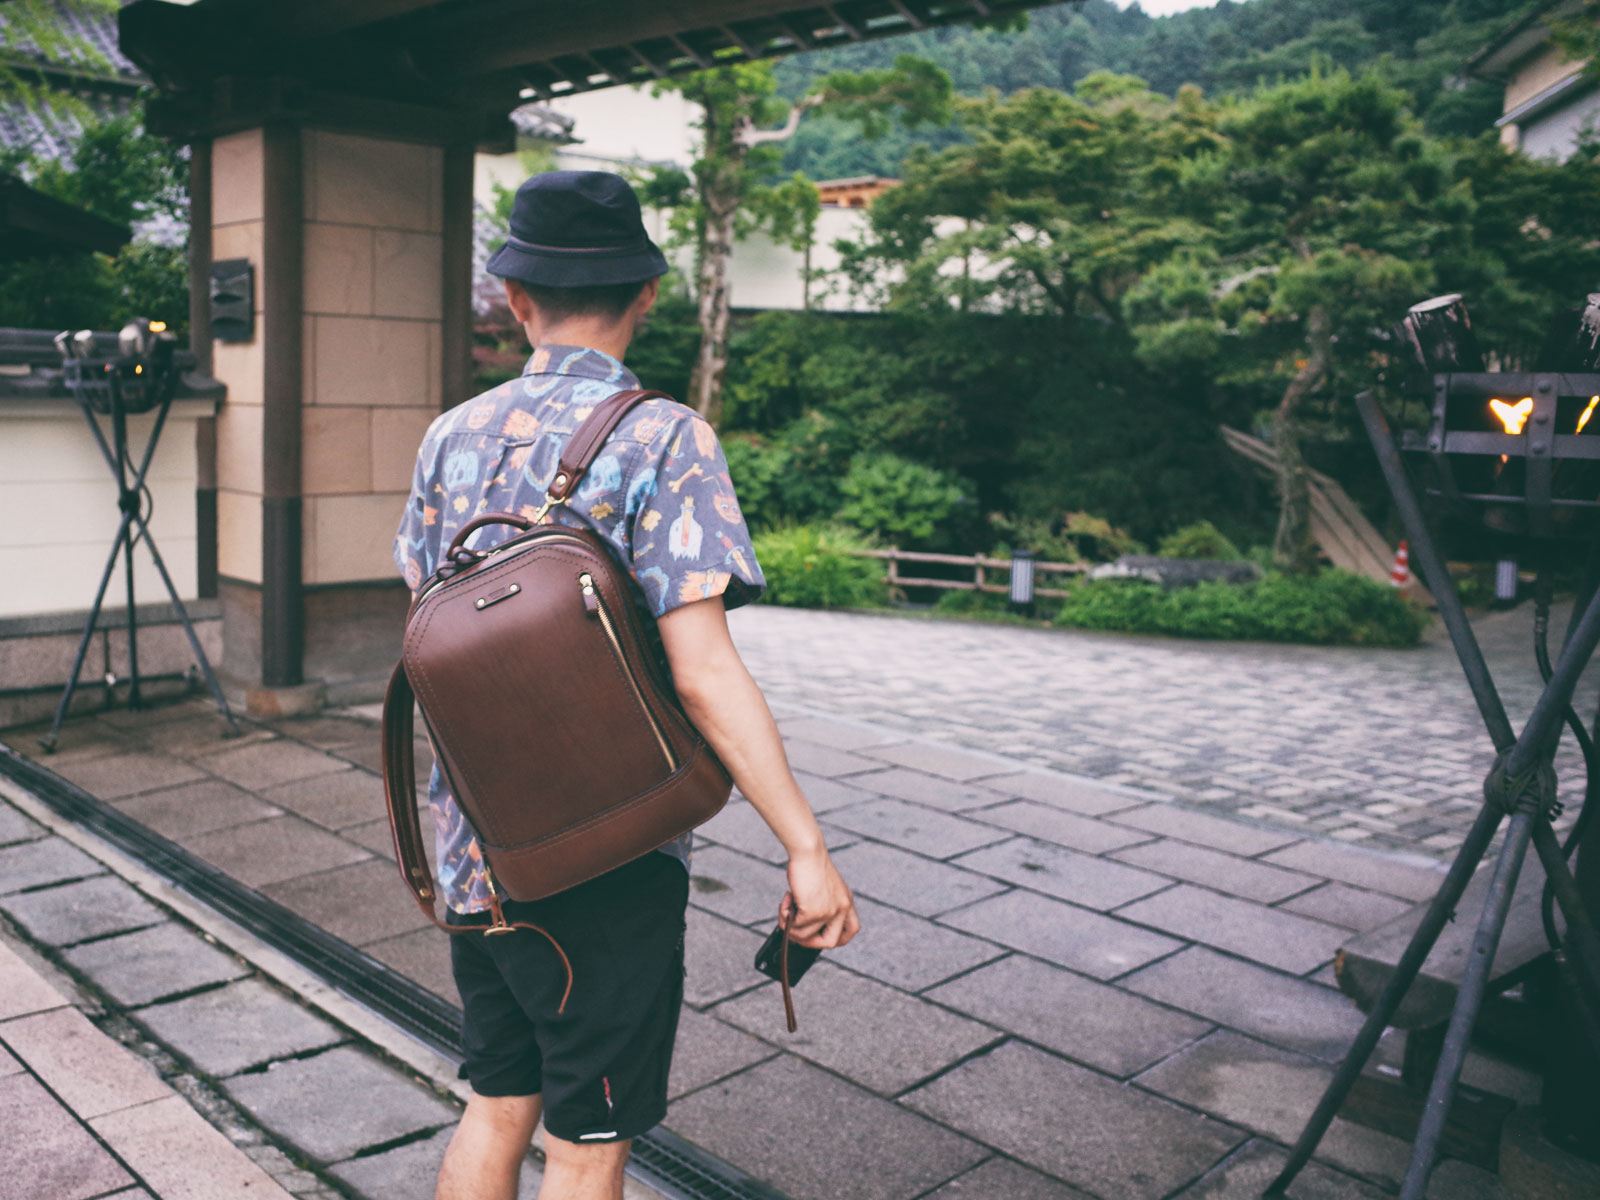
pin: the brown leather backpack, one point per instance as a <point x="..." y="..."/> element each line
<point x="546" y="697"/>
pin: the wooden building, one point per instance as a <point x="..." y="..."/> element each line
<point x="333" y="145"/>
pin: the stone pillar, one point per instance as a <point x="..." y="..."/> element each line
<point x="362" y="250"/>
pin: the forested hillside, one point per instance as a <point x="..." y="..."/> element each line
<point x="1419" y="46"/>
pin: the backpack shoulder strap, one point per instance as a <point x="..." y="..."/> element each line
<point x="590" y="436"/>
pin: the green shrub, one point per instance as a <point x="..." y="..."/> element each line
<point x="1200" y="540"/>
<point x="810" y="566"/>
<point x="1334" y="607"/>
<point x="903" y="502"/>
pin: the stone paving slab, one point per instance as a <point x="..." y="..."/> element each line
<point x="999" y="1178"/>
<point x="813" y="1136"/>
<point x="228" y="1029"/>
<point x="423" y="955"/>
<point x="14" y="827"/>
<point x="1075" y="795"/>
<point x="358" y="903"/>
<point x="68" y="1054"/>
<point x="180" y="1156"/>
<point x="708" y="1049"/>
<point x="1015" y="1097"/>
<point x="34" y="864"/>
<point x="912" y="827"/>
<point x="1203" y="830"/>
<point x="1266" y="1004"/>
<point x="151" y="964"/>
<point x="1098" y="946"/>
<point x="824" y="795"/>
<point x="735" y="886"/>
<point x="77" y="912"/>
<point x="909" y="881"/>
<point x="271" y="851"/>
<point x="337" y="1103"/>
<point x="196" y="808"/>
<point x="840" y="735"/>
<point x="1404" y="880"/>
<point x="932" y="759"/>
<point x="874" y="1035"/>
<point x="22" y="990"/>
<point x="1050" y="824"/>
<point x="741" y="828"/>
<point x="119" y="775"/>
<point x="1279" y="939"/>
<point x="1248" y="1171"/>
<point x="1091" y="1022"/>
<point x="265" y="764"/>
<point x="908" y="952"/>
<point x="1348" y="907"/>
<point x="1065" y="874"/>
<point x="826" y="761"/>
<point x="1273" y="1091"/>
<point x="1221" y="872"/>
<point x="335" y="800"/>
<point x="719" y="958"/>
<point x="919" y="787"/>
<point x="48" y="1153"/>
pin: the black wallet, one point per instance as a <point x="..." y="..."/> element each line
<point x="771" y="952"/>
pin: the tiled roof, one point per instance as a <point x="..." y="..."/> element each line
<point x="47" y="131"/>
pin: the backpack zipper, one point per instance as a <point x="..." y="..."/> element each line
<point x="592" y="594"/>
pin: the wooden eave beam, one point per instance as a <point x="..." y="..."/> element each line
<point x="857" y="32"/>
<point x="912" y="18"/>
<point x="481" y="46"/>
<point x="306" y="20"/>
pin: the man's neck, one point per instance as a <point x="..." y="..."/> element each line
<point x="608" y="337"/>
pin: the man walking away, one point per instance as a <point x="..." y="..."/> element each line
<point x="580" y="274"/>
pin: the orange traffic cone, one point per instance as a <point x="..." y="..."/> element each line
<point x="1400" y="572"/>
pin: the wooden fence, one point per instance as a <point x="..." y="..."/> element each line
<point x="980" y="565"/>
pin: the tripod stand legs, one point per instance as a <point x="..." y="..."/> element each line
<point x="48" y="741"/>
<point x="124" y="545"/>
<point x="1440" y="911"/>
<point x="1469" y="996"/>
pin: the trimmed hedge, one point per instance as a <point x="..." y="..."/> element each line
<point x="809" y="566"/>
<point x="1334" y="607"/>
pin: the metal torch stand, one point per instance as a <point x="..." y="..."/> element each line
<point x="1521" y="786"/>
<point x="133" y="528"/>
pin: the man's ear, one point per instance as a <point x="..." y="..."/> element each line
<point x="647" y="298"/>
<point x="520" y="302"/>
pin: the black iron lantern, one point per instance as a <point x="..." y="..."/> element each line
<point x="1519" y="449"/>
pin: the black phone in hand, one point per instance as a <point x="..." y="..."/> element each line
<point x="770" y="955"/>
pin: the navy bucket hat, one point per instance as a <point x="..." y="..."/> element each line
<point x="574" y="229"/>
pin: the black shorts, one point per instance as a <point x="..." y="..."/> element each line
<point x="601" y="1065"/>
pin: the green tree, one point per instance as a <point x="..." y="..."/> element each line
<point x="733" y="186"/>
<point x="1213" y="259"/>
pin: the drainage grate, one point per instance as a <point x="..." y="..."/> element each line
<point x="677" y="1169"/>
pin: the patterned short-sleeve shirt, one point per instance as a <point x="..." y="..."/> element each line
<point x="658" y="492"/>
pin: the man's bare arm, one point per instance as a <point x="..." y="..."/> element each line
<point x="726" y="705"/>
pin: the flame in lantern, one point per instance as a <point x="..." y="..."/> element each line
<point x="1513" y="416"/>
<point x="1594" y="402"/>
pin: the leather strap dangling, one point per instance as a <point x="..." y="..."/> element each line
<point x="783" y="974"/>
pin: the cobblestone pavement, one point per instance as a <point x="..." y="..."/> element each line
<point x="1383" y="747"/>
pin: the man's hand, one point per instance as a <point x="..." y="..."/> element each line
<point x="818" y="908"/>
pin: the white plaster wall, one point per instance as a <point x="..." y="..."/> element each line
<point x="62" y="502"/>
<point x="1556" y="134"/>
